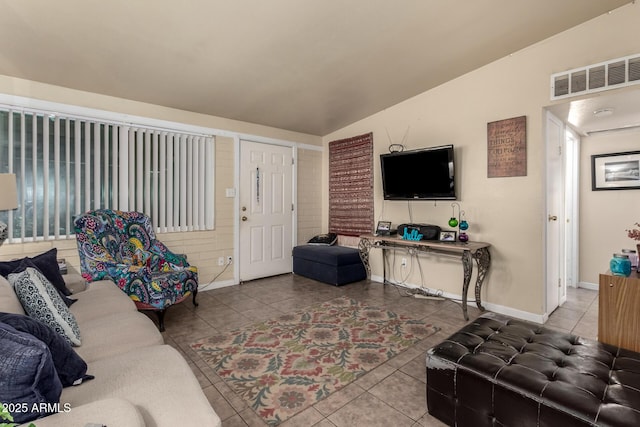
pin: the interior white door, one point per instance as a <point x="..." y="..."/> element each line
<point x="266" y="210"/>
<point x="555" y="252"/>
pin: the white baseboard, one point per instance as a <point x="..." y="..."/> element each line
<point x="587" y="285"/>
<point x="496" y="308"/>
<point x="215" y="285"/>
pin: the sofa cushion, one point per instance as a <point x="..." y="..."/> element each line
<point x="9" y="302"/>
<point x="46" y="262"/>
<point x="41" y="301"/>
<point x="118" y="333"/>
<point x="100" y="299"/>
<point x="156" y="379"/>
<point x="70" y="367"/>
<point x="112" y="412"/>
<point x="27" y="375"/>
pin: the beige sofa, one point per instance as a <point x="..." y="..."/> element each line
<point x="139" y="381"/>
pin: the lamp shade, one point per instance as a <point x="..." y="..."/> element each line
<point x="8" y="192"/>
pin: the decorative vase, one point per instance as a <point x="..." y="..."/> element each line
<point x="620" y="265"/>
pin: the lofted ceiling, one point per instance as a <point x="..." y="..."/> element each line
<point x="311" y="66"/>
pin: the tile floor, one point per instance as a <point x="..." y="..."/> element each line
<point x="392" y="394"/>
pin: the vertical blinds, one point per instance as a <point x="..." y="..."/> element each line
<point x="65" y="166"/>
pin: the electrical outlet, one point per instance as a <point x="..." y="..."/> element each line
<point x="229" y="259"/>
<point x="403" y="262"/>
<point x="221" y="261"/>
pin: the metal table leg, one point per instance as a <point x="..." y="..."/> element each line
<point x="467" y="265"/>
<point x="483" y="260"/>
<point x="364" y="246"/>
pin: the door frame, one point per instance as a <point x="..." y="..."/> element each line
<point x="237" y="140"/>
<point x="569" y="216"/>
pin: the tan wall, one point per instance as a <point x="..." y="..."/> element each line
<point x="309" y="190"/>
<point x="203" y="248"/>
<point x="605" y="215"/>
<point x="506" y="212"/>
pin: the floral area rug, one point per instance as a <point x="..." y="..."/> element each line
<point x="283" y="366"/>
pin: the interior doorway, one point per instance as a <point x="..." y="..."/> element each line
<point x="562" y="211"/>
<point x="266" y="210"/>
<point x="555" y="280"/>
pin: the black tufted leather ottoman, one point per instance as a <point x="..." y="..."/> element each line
<point x="498" y="371"/>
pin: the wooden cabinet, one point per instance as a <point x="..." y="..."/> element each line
<point x="619" y="311"/>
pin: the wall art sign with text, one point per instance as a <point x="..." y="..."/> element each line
<point x="507" y="147"/>
<point x="615" y="171"/>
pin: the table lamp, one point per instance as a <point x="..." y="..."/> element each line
<point x="8" y="201"/>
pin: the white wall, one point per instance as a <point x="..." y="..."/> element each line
<point x="506" y="212"/>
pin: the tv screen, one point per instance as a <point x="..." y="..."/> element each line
<point x="424" y="174"/>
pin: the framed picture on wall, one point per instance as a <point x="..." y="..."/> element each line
<point x="615" y="171"/>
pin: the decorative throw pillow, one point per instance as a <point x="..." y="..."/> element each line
<point x="46" y="262"/>
<point x="28" y="262"/>
<point x="27" y="375"/>
<point x="327" y="239"/>
<point x="70" y="367"/>
<point x="42" y="302"/>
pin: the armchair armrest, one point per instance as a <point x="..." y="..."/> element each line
<point x="120" y="273"/>
<point x="163" y="259"/>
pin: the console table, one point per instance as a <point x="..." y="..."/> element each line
<point x="468" y="252"/>
<point x="618" y="314"/>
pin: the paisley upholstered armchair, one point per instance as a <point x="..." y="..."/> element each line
<point x="122" y="247"/>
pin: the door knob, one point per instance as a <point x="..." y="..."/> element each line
<point x="553" y="218"/>
<point x="244" y="218"/>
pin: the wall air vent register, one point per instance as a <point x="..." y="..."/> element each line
<point x="607" y="75"/>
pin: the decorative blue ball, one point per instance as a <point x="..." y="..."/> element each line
<point x="464" y="225"/>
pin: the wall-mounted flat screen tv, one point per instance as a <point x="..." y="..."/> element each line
<point x="424" y="174"/>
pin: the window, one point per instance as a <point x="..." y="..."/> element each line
<point x="67" y="165"/>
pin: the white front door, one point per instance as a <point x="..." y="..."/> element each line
<point x="266" y="210"/>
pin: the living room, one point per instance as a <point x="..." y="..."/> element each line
<point x="497" y="208"/>
<point x="508" y="213"/>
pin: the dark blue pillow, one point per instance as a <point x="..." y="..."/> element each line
<point x="71" y="369"/>
<point x="27" y="375"/>
<point x="46" y="262"/>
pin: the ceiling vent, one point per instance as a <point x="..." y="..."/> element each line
<point x="612" y="74"/>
